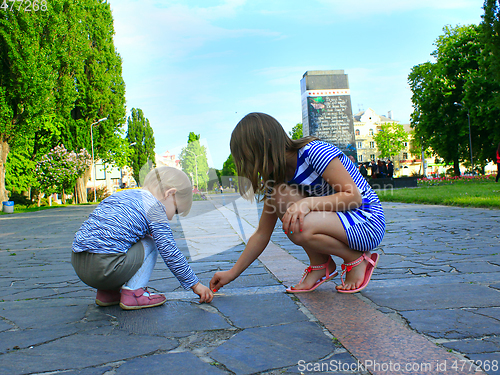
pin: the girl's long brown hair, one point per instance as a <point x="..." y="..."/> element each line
<point x="259" y="146"/>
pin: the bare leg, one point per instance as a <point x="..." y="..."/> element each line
<point x="323" y="235"/>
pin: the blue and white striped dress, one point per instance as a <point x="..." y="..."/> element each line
<point x="364" y="226"/>
<point x="124" y="218"/>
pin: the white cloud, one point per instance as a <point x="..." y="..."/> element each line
<point x="148" y="32"/>
<point x="370" y="7"/>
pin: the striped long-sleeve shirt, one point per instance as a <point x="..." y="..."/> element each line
<point x="123" y="219"/>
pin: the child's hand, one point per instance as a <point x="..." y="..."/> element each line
<point x="220" y="279"/>
<point x="293" y="219"/>
<point x="205" y="294"/>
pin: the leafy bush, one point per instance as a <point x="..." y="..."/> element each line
<point x="20" y="199"/>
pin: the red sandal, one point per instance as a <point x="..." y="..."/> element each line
<point x="346" y="267"/>
<point x="324" y="279"/>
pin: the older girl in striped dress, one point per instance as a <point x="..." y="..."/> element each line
<point x="324" y="203"/>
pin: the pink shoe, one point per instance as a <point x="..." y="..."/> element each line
<point x="346" y="267"/>
<point x="324" y="279"/>
<point x="107" y="297"/>
<point x="140" y="299"/>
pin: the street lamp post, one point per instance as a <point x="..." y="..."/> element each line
<point x="470" y="135"/>
<point x="92" y="142"/>
<point x="196" y="166"/>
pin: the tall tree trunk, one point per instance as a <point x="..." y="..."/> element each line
<point x="75" y="196"/>
<point x="63" y="197"/>
<point x="456" y="167"/>
<point x="81" y="186"/>
<point x="4" y="151"/>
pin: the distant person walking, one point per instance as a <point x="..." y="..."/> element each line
<point x="362" y="170"/>
<point x="382" y="169"/>
<point x="498" y="162"/>
<point x="390" y="169"/>
<point x="374" y="169"/>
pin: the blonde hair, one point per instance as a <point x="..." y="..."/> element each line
<point x="161" y="179"/>
<point x="259" y="146"/>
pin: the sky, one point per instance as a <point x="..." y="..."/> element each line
<point x="202" y="65"/>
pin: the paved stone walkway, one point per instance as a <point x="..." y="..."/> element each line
<point x="437" y="284"/>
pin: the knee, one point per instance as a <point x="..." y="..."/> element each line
<point x="300" y="238"/>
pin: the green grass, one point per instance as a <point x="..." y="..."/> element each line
<point x="483" y="194"/>
<point x="20" y="208"/>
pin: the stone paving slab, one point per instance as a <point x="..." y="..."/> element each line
<point x="82" y="350"/>
<point x="432" y="296"/>
<point x="452" y="323"/>
<point x="259" y="310"/>
<point x="259" y="349"/>
<point x="169" y="363"/>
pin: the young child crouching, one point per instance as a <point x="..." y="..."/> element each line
<point x="115" y="249"/>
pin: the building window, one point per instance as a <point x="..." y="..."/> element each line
<point x="357" y="132"/>
<point x="372" y="157"/>
<point x="406" y="144"/>
<point x="360" y="144"/>
<point x="370" y="132"/>
<point x="360" y="158"/>
<point x="405" y="156"/>
<point x="372" y="144"/>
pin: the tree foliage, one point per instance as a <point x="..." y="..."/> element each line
<point x="59" y="72"/>
<point x="296" y="132"/>
<point x="26" y="78"/>
<point x="439" y="123"/>
<point x="390" y="139"/>
<point x="141" y="140"/>
<point x="193" y="161"/>
<point x="482" y="89"/>
<point x="229" y="168"/>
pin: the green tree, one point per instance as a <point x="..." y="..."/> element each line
<point x="19" y="174"/>
<point x="390" y="140"/>
<point x="60" y="72"/>
<point x="26" y="78"/>
<point x="229" y="172"/>
<point x="141" y="135"/>
<point x="100" y="87"/>
<point x="490" y="35"/>
<point x="229" y="168"/>
<point x="482" y="89"/>
<point x="296" y="132"/>
<point x="437" y="86"/>
<point x="193" y="160"/>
